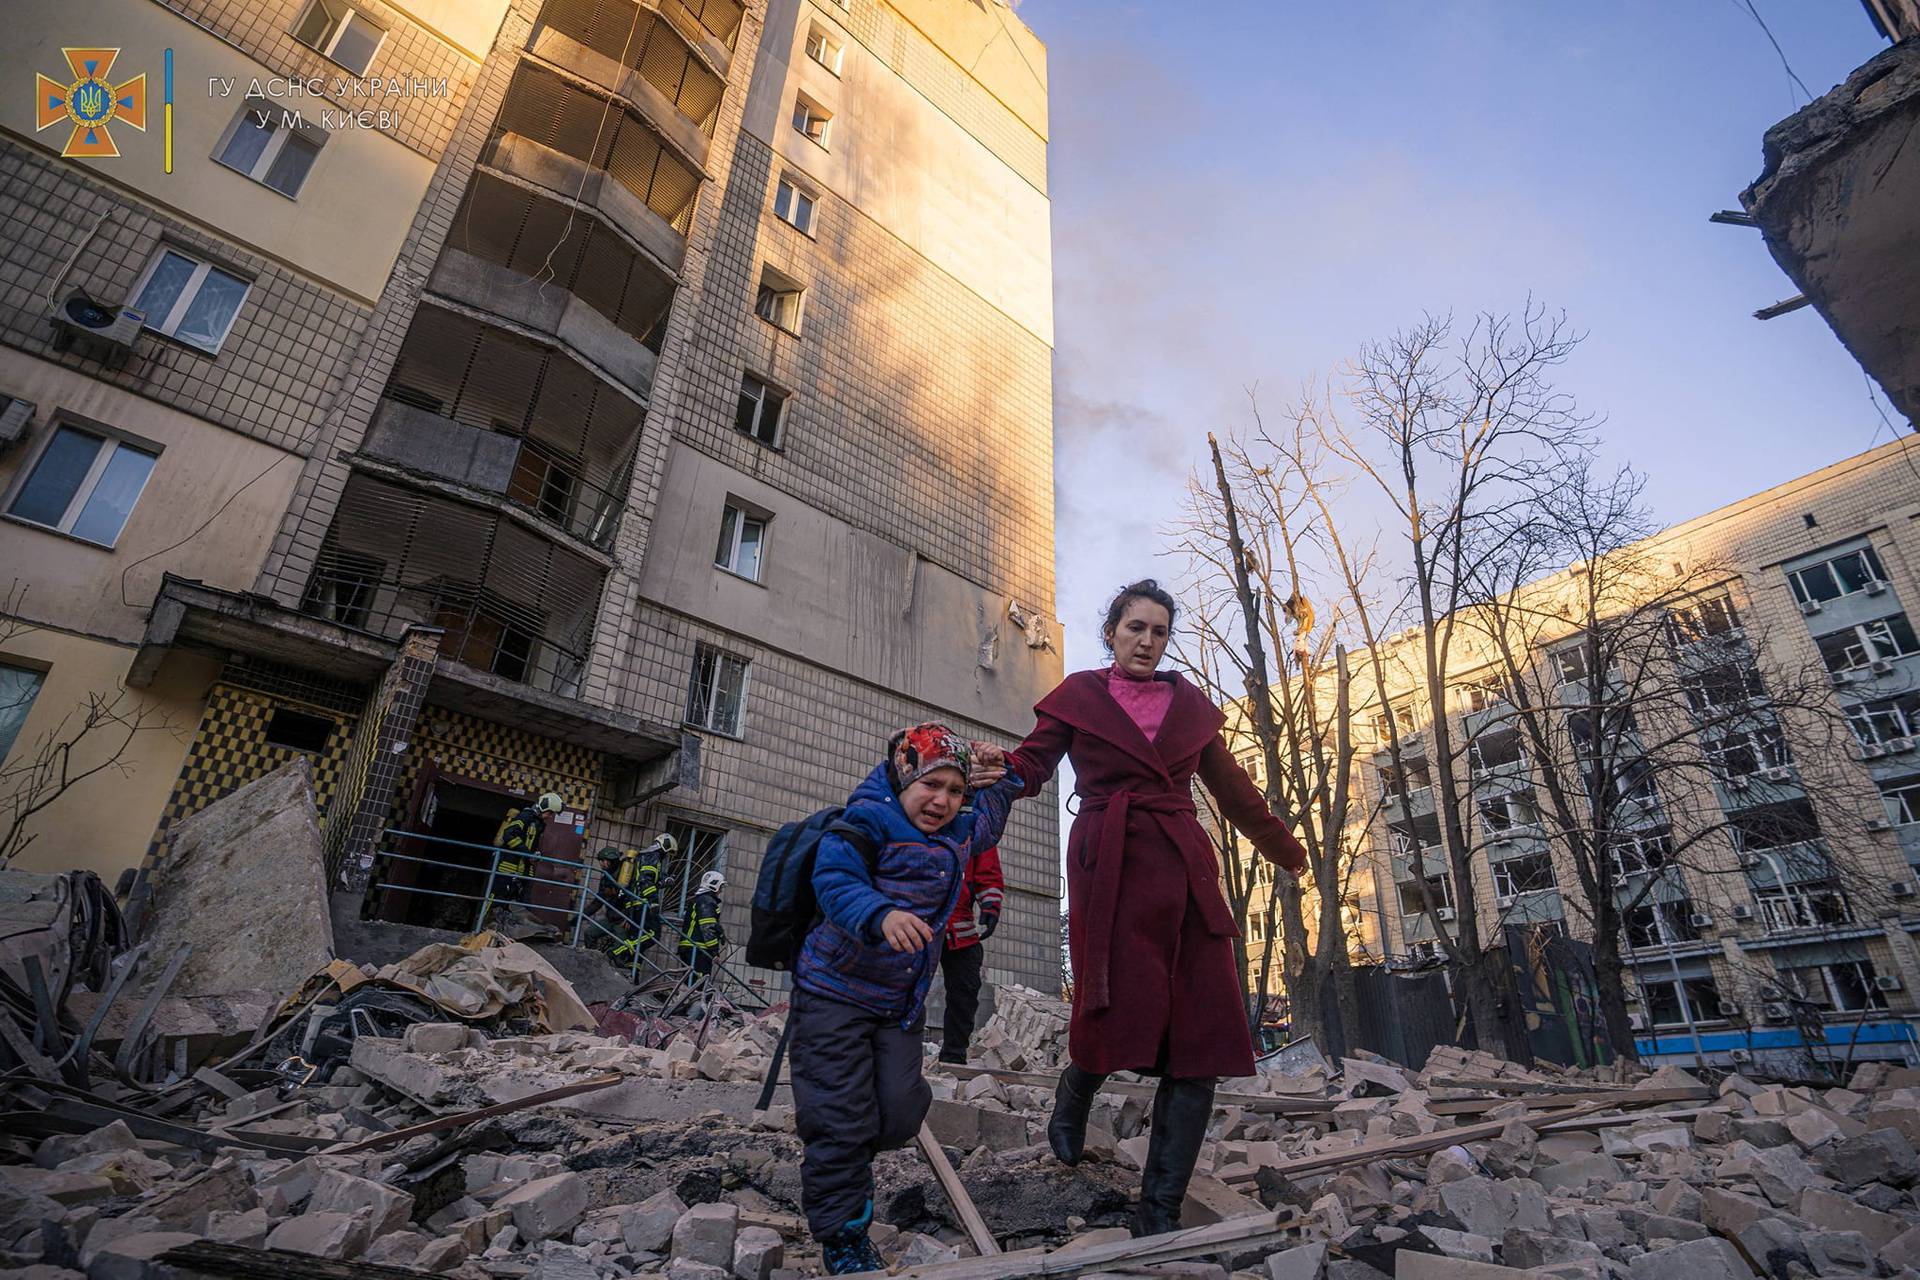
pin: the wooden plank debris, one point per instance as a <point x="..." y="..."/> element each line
<point x="976" y="1226"/>
<point x="1548" y="1101"/>
<point x="1261" y="1103"/>
<point x="1235" y="1235"/>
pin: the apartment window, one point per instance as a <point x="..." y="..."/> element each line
<point x="1641" y="852"/>
<point x="1419" y="778"/>
<point x="1484" y="695"/>
<point x="341" y="32"/>
<point x="811" y="119"/>
<point x="1570" y="663"/>
<point x="1855" y="647"/>
<point x="1774" y="826"/>
<point x="1701" y="620"/>
<point x="542" y="482"/>
<point x="1532" y="873"/>
<point x="1672" y="1004"/>
<point x="1661" y="924"/>
<point x="793" y="206"/>
<point x="761" y="411"/>
<point x="84" y="484"/>
<point x="1841" y="576"/>
<point x="1492" y="751"/>
<point x="19" y="686"/>
<point x="1398" y="717"/>
<point x="484" y="630"/>
<point x="1504" y="813"/>
<point x="189" y="300"/>
<point x="778" y="301"/>
<point x="298" y="731"/>
<point x="1902" y="800"/>
<point x="717" y="695"/>
<point x="1810" y="906"/>
<point x="743" y="542"/>
<point x="1730" y="684"/>
<point x="1254" y="764"/>
<point x="1423" y="840"/>
<point x="700" y="851"/>
<point x="1845" y="985"/>
<point x="1885" y="720"/>
<point x="1748" y="751"/>
<point x="823" y="48"/>
<point x="263" y="145"/>
<point x="1633" y="784"/>
<point x="1439" y="887"/>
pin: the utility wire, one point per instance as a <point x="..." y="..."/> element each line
<point x="1768" y="31"/>
<point x="231" y="498"/>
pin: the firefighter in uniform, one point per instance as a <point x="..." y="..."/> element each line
<point x="628" y="897"/>
<point x="702" y="939"/>
<point x="518" y="837"/>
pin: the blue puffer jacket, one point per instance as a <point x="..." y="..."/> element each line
<point x="845" y="957"/>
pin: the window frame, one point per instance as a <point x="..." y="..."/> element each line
<point x="111" y="441"/>
<point x="1869" y="560"/>
<point x="735" y="516"/>
<point x="789" y="299"/>
<point x="1446" y="901"/>
<point x="1870" y="715"/>
<point x="1898" y="796"/>
<point x="177" y="314"/>
<point x="1503" y="874"/>
<point x="280" y="135"/>
<point x="703" y="651"/>
<point x="38" y="675"/>
<point x="784" y="184"/>
<point x="804" y="106"/>
<point x="837" y="48"/>
<point x="781" y="399"/>
<point x="1865" y="644"/>
<point x="354" y="13"/>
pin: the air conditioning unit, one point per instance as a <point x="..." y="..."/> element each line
<point x="1877" y="587"/>
<point x="1809" y="607"/>
<point x="1886" y="982"/>
<point x="16" y="419"/>
<point x="1729" y="1008"/>
<point x="1443" y="913"/>
<point x="1839" y="679"/>
<point x="1881" y="666"/>
<point x="1740" y="1055"/>
<point x="106" y="333"/>
<point x="1637" y="1021"/>
<point x="1880" y="824"/>
<point x="1738" y="783"/>
<point x="1900" y="888"/>
<point x="1741" y="911"/>
<point x="1505" y="900"/>
<point x="1502" y="837"/>
<point x="1749" y="861"/>
<point x="1775" y="1011"/>
<point x="1873" y="750"/>
<point x="1700" y="920"/>
<point x="1779" y="773"/>
<point x="1895" y="746"/>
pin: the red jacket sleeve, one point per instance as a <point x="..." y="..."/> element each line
<point x="986" y="881"/>
<point x="1246" y="808"/>
<point x="1036" y="758"/>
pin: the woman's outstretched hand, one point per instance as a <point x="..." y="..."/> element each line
<point x="989" y="765"/>
<point x="905" y="931"/>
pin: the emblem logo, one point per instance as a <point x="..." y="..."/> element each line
<point x="90" y="102"/>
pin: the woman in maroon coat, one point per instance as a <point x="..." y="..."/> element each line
<point x="1155" y="986"/>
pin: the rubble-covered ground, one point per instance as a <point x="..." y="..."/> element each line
<point x="666" y="1167"/>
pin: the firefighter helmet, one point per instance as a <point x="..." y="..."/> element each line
<point x="712" y="882"/>
<point x="550" y="803"/>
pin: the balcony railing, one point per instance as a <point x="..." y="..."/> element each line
<point x="643" y="41"/>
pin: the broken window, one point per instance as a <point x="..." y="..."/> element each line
<point x="1530" y="873"/>
<point x="1701" y="620"/>
<point x="1491" y="751"/>
<point x="1881" y="640"/>
<point x="1858" y="570"/>
<point x="1885" y="720"/>
<point x="700" y="849"/>
<point x="1660" y="924"/>
<point x="717" y="694"/>
<point x="1845" y="985"/>
<point x="1691" y="1000"/>
<point x="1728" y="684"/>
<point x="1439" y="888"/>
<point x="778" y="300"/>
<point x="298" y="731"/>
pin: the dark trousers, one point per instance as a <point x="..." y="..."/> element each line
<point x="857" y="1090"/>
<point x="961" y="967"/>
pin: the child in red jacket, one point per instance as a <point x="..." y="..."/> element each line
<point x="964" y="958"/>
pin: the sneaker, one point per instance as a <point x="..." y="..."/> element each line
<point x="849" y="1251"/>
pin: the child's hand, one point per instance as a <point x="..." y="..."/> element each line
<point x="905" y="931"/>
<point x="989" y="766"/>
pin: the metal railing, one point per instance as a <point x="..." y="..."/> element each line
<point x="585" y="919"/>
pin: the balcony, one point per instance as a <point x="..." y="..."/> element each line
<point x="553" y="133"/>
<point x="638" y="54"/>
<point x="710" y="26"/>
<point x="556" y="272"/>
<point x="512" y="603"/>
<point x="492" y="413"/>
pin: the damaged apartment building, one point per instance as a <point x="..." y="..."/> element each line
<point x="651" y="407"/>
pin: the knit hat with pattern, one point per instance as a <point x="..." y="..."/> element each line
<point x="916" y="752"/>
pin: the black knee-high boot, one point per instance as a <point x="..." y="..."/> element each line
<point x="1181" y="1110"/>
<point x="1072" y="1101"/>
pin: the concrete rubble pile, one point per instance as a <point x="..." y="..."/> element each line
<point x="451" y="1149"/>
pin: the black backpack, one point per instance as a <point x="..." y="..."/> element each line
<point x="784" y="909"/>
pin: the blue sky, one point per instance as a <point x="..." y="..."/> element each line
<point x="1246" y="192"/>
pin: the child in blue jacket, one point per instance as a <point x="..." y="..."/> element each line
<point x="860" y="986"/>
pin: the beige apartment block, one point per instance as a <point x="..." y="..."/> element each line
<point x="1801" y="824"/>
<point x="652" y="406"/>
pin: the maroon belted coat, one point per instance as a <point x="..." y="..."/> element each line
<point x="1151" y="936"/>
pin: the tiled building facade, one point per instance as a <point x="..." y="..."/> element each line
<point x="1790" y="915"/>
<point x="660" y="276"/>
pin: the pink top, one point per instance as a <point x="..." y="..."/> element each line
<point x="1144" y="701"/>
